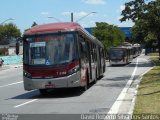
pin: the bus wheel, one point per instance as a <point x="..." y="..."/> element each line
<point x="43" y="91"/>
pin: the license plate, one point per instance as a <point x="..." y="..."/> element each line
<point x="50" y="86"/>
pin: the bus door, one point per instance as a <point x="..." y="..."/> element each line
<point x="98" y="61"/>
<point x="93" y="61"/>
<point x="102" y="60"/>
<point x="90" y="59"/>
<point x="84" y="59"/>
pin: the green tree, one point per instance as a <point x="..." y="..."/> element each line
<point x="109" y="35"/>
<point x="133" y="10"/>
<point x="8" y="31"/>
<point x="146" y="16"/>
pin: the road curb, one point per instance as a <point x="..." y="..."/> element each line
<point x="134" y="98"/>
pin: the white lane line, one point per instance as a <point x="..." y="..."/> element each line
<point x="115" y="107"/>
<point x="11" y="84"/>
<point x="25" y="103"/>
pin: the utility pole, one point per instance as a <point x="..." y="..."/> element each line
<point x="71" y="16"/>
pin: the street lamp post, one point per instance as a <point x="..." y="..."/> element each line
<point x="71" y="16"/>
<point x="54" y="18"/>
<point x="6" y="21"/>
<point x="85" y="16"/>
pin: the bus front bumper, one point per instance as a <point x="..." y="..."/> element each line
<point x="62" y="82"/>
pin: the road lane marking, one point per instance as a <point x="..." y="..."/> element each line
<point x="11" y="84"/>
<point x="25" y="103"/>
<point x="115" y="107"/>
<point x="134" y="72"/>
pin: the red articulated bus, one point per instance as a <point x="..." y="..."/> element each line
<point x="61" y="55"/>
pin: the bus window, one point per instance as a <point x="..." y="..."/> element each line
<point x="51" y="49"/>
<point x="116" y="53"/>
<point x="83" y="47"/>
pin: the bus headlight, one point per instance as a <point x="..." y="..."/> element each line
<point x="74" y="70"/>
<point x="26" y="74"/>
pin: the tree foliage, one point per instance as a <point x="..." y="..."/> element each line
<point x="133" y="10"/>
<point x="109" y="35"/>
<point x="8" y="31"/>
<point x="146" y="15"/>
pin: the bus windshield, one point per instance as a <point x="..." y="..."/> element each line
<point x="116" y="53"/>
<point x="50" y="49"/>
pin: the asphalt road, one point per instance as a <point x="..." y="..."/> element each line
<point x="73" y="103"/>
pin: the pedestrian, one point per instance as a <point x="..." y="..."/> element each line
<point x="1" y="62"/>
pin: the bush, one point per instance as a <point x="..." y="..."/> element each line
<point x="3" y="51"/>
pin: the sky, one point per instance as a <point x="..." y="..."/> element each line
<point x="85" y="12"/>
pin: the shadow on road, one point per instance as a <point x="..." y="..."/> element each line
<point x="121" y="78"/>
<point x="140" y="64"/>
<point x="133" y="64"/>
<point x="116" y="82"/>
<point x="117" y="65"/>
<point x="121" y="85"/>
<point x="56" y="93"/>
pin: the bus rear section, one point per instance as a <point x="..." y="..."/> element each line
<point x="57" y="57"/>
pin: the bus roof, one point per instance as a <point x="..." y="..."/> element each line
<point x="61" y="27"/>
<point x="52" y="27"/>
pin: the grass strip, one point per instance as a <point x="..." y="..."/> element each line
<point x="153" y="54"/>
<point x="148" y="96"/>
